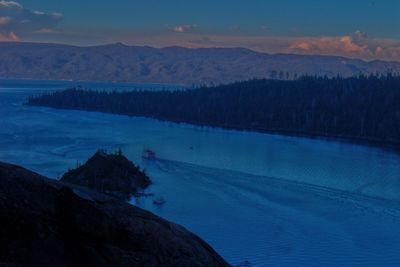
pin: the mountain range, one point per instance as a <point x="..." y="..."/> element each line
<point x="177" y="65"/>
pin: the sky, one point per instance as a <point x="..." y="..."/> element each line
<point x="366" y="29"/>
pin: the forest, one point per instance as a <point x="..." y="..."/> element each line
<point x="363" y="108"/>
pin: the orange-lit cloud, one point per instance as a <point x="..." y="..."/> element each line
<point x="11" y="37"/>
<point x="343" y="45"/>
<point x="389" y="53"/>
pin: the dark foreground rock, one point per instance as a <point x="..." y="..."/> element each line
<point x="112" y="174"/>
<point x="49" y="223"/>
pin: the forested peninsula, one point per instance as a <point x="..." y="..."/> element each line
<point x="362" y="108"/>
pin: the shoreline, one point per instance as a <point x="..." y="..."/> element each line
<point x="393" y="147"/>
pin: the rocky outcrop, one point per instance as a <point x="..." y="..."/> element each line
<point x="50" y="223"/>
<point x="112" y="174"/>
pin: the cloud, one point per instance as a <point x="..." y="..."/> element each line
<point x="358" y="46"/>
<point x="388" y="53"/>
<point x="17" y="21"/>
<point x="360" y="34"/>
<point x="182" y="28"/>
<point x="342" y="45"/>
<point x="8" y="38"/>
<point x="5" y="20"/>
<point x="9" y="4"/>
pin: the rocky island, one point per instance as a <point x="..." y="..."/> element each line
<point x="46" y="222"/>
<point x="109" y="173"/>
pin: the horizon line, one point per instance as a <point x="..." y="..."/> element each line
<point x="199" y="48"/>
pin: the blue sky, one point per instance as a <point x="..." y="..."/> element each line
<point x="379" y="18"/>
<point x="299" y="26"/>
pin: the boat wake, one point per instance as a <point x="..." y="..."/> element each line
<point x="276" y="222"/>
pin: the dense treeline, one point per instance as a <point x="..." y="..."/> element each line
<point x="365" y="108"/>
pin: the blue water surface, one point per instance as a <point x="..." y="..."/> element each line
<point x="272" y="200"/>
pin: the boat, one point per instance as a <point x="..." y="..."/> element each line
<point x="159" y="201"/>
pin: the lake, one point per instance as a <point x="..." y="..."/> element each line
<point x="272" y="200"/>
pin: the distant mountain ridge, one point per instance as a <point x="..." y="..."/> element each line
<point x="143" y="64"/>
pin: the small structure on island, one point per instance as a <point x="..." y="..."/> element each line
<point x="148" y="154"/>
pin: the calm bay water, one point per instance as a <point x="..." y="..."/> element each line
<point x="269" y="199"/>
